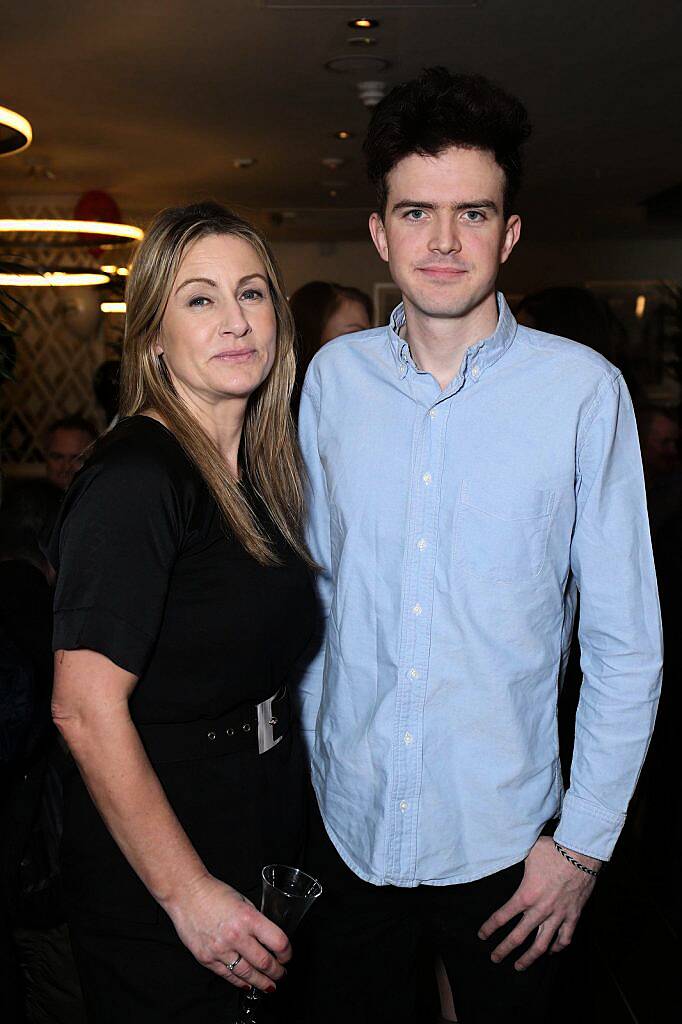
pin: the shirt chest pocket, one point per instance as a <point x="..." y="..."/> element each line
<point x="502" y="532"/>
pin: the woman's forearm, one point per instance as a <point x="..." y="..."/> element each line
<point x="126" y="790"/>
<point x="216" y="923"/>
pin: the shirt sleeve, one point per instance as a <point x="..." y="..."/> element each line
<point x="308" y="693"/>
<point x="620" y="627"/>
<point x="114" y="548"/>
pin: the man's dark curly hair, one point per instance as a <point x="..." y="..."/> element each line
<point x="438" y="110"/>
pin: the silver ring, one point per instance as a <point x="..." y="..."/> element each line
<point x="234" y="963"/>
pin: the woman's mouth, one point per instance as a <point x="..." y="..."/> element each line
<point x="235" y="355"/>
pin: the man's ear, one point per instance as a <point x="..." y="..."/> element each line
<point x="378" y="233"/>
<point x="512" y="233"/>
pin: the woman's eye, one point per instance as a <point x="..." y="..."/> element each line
<point x="199" y="300"/>
<point x="252" y="293"/>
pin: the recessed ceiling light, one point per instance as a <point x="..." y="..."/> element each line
<point x="364" y="64"/>
<point x="363" y="23"/>
<point x="112" y="307"/>
<point x="360" y="41"/>
<point x="343" y="135"/>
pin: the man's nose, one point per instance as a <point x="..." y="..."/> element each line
<point x="445" y="238"/>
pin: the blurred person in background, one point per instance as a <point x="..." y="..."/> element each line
<point x="46" y="991"/>
<point x="106" y="384"/>
<point x="65" y="442"/>
<point x="324" y="311"/>
<point x="660" y="819"/>
<point x="659" y="434"/>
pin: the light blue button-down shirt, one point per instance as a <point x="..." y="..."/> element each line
<point x="453" y="528"/>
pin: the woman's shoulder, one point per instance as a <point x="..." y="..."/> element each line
<point x="134" y="468"/>
<point x="136" y="473"/>
<point x="140" y="448"/>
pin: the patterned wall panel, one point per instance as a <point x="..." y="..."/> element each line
<point x="63" y="338"/>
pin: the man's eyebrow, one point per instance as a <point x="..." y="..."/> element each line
<point x="413" y="204"/>
<point x="193" y="280"/>
<point x="468" y="204"/>
<point x="476" y="204"/>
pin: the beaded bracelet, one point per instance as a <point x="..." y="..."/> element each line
<point x="576" y="863"/>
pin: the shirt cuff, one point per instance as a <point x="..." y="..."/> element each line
<point x="588" y="828"/>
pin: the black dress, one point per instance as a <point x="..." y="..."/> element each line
<point x="149" y="577"/>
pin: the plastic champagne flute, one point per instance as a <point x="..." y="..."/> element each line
<point x="288" y="893"/>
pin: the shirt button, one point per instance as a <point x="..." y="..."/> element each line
<point x="417" y="609"/>
<point x="408" y="738"/>
<point x="427" y="478"/>
<point x="404" y="805"/>
<point x="413" y="674"/>
<point x="432" y="413"/>
<point x="421" y="543"/>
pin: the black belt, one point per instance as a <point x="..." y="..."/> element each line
<point x="257" y="727"/>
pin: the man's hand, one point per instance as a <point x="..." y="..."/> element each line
<point x="551" y="898"/>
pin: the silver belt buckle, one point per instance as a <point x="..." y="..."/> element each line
<point x="266" y="723"/>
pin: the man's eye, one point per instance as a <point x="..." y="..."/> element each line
<point x="474" y="215"/>
<point x="415" y="214"/>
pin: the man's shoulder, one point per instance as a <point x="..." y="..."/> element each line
<point x="571" y="355"/>
<point x="359" y="346"/>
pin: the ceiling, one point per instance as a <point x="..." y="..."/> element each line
<point x="153" y="102"/>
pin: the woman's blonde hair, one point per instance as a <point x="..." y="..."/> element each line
<point x="269" y="453"/>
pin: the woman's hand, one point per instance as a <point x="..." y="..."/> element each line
<point x="219" y="925"/>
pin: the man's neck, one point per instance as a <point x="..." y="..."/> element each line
<point x="438" y="344"/>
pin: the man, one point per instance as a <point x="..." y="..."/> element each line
<point x="467" y="477"/>
<point x="65" y="442"/>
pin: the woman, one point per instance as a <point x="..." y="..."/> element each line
<point x="183" y="601"/>
<point x="324" y="311"/>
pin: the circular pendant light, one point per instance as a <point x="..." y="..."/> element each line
<point x="69" y="233"/>
<point x="71" y="277"/>
<point x="15" y="132"/>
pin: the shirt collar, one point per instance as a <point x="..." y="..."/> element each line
<point x="487" y="351"/>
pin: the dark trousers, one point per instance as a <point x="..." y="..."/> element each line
<point x="360" y="945"/>
<point x="134" y="973"/>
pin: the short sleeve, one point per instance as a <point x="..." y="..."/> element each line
<point x="114" y="548"/>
